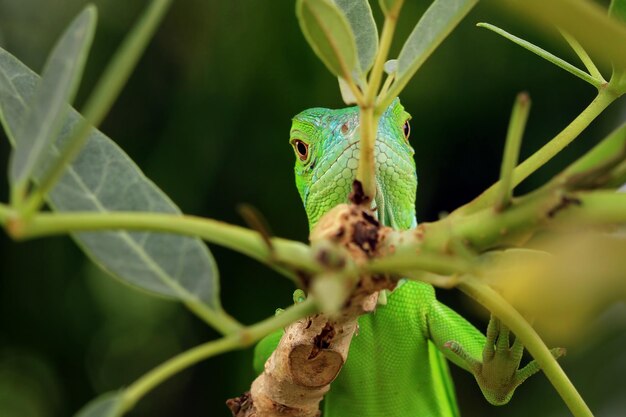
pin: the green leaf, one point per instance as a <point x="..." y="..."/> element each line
<point x="106" y="405"/>
<point x="103" y="179"/>
<point x="361" y="20"/>
<point x="617" y="9"/>
<point x="584" y="56"/>
<point x="544" y="54"/>
<point x="106" y="91"/>
<point x="327" y="30"/>
<point x="437" y="22"/>
<point x="48" y="108"/>
<point x="602" y="36"/>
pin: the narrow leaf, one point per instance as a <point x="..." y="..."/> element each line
<point x="327" y="30"/>
<point x="587" y="21"/>
<point x="48" y="108"/>
<point x="106" y="405"/>
<point x="361" y="20"/>
<point x="617" y="9"/>
<point x="544" y="54"/>
<point x="584" y="56"/>
<point x="434" y="26"/>
<point x="103" y="179"/>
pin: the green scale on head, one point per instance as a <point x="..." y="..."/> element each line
<point x="326" y="143"/>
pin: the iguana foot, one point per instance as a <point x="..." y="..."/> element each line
<point x="498" y="374"/>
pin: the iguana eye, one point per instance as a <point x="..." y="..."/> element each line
<point x="301" y="148"/>
<point x="407" y="130"/>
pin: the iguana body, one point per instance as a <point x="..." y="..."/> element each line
<point x="395" y="365"/>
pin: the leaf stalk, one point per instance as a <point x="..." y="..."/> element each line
<point x="517" y="124"/>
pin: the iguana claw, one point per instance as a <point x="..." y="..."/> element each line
<point x="498" y="374"/>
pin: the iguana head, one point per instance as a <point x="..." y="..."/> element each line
<point x="326" y="143"/>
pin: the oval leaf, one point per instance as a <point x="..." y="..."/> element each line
<point x="361" y="20"/>
<point x="106" y="405"/>
<point x="49" y="105"/>
<point x="328" y="32"/>
<point x="104" y="179"/>
<point x="437" y="22"/>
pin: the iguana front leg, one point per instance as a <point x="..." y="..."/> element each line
<point x="498" y="374"/>
<point x="492" y="360"/>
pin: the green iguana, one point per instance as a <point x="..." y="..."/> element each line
<point x="396" y="364"/>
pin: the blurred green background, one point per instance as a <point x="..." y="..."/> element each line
<point x="207" y="115"/>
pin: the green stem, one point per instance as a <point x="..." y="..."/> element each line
<point x="386" y="38"/>
<point x="237" y="238"/>
<point x="548" y="151"/>
<point x="387" y="84"/>
<point x="148" y="382"/>
<point x="519" y="116"/>
<point x="595" y="208"/>
<point x="18" y="192"/>
<point x="541" y="210"/>
<point x="218" y="319"/>
<point x="599" y="159"/>
<point x="367" y="165"/>
<point x="102" y="98"/>
<point x="241" y="339"/>
<point x="571" y="132"/>
<point x="368" y="121"/>
<point x="481" y="229"/>
<point x="406" y="260"/>
<point x="494" y="302"/>
<point x="485" y="229"/>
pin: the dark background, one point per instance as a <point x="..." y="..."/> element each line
<point x="207" y="115"/>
